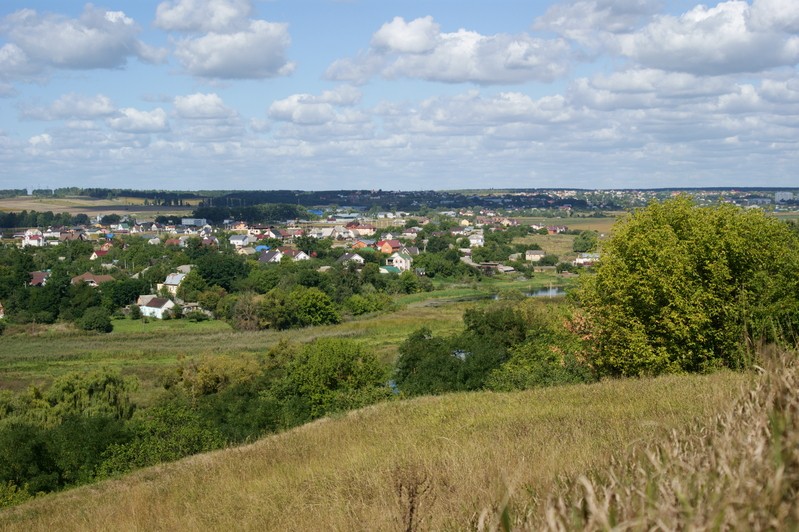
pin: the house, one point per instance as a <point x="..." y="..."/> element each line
<point x="411" y="232"/>
<point x="409" y="250"/>
<point x="388" y="246"/>
<point x="273" y="255"/>
<point x="389" y="269"/>
<point x="39" y="278"/>
<point x="247" y="252"/>
<point x="586" y="259"/>
<point x="476" y="240"/>
<point x="91" y="279"/>
<point x="295" y="254"/>
<point x="351" y="257"/>
<point x="33" y="238"/>
<point x="157" y="307"/>
<point x="363" y="243"/>
<point x="534" y="255"/>
<point x="154" y="241"/>
<point x="171" y="283"/>
<point x="239" y="241"/>
<point x="400" y="261"/>
<point x="98" y="254"/>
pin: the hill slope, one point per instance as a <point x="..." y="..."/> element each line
<point x="434" y="462"/>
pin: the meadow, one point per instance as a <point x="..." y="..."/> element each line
<point x="448" y="462"/>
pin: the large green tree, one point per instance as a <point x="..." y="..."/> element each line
<point x="681" y="287"/>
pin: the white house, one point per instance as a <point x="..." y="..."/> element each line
<point x="476" y="240"/>
<point x="351" y="257"/>
<point x="534" y="255"/>
<point x="400" y="261"/>
<point x="157" y="307"/>
<point x="33" y="238"/>
<point x="239" y="241"/>
<point x="586" y="259"/>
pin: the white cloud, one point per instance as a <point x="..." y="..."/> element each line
<point x="201" y="105"/>
<point x="587" y="21"/>
<point x="418" y="50"/>
<point x="73" y="106"/>
<point x="98" y="39"/>
<point x="203" y="15"/>
<point x="257" y="52"/>
<point x="15" y="64"/>
<point x="414" y="37"/>
<point x="134" y="121"/>
<point x="307" y="109"/>
<point x="779" y="15"/>
<point x="713" y="41"/>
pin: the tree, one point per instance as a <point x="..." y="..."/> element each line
<point x="686" y="288"/>
<point x="585" y="241"/>
<point x="334" y="374"/>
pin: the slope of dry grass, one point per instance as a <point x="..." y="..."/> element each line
<point x="739" y="472"/>
<point x="430" y="463"/>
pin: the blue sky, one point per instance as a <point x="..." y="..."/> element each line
<point x="400" y="95"/>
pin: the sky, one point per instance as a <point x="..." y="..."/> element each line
<point x="399" y="95"/>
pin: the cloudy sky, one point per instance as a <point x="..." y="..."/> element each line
<point x="400" y="95"/>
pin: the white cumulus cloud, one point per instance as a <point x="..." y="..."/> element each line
<point x="414" y="37"/>
<point x="257" y="52"/>
<point x="716" y="40"/>
<point x="203" y="15"/>
<point x="135" y="121"/>
<point x="97" y="39"/>
<point x="419" y="50"/>
<point x="201" y="105"/>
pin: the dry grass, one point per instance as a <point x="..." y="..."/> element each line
<point x="430" y="463"/>
<point x="739" y="472"/>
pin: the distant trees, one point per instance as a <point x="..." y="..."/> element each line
<point x="688" y="288"/>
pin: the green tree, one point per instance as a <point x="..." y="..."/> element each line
<point x="334" y="374"/>
<point x="688" y="288"/>
<point x="191" y="286"/>
<point x="585" y="241"/>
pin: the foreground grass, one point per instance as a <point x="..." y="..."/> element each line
<point x="431" y="463"/>
<point x="740" y="471"/>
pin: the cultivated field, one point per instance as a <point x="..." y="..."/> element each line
<point x="91" y="206"/>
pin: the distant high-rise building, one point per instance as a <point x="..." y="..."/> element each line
<point x="782" y="197"/>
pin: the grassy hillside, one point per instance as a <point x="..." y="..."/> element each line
<point x="432" y="463"/>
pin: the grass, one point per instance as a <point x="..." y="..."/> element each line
<point x="739" y="471"/>
<point x="433" y="463"/>
<point x="146" y="350"/>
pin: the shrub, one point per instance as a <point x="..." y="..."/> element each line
<point x="96" y="319"/>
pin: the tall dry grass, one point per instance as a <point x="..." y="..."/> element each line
<point x="430" y="463"/>
<point x="740" y="472"/>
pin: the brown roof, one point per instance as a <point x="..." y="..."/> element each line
<point x="90" y="278"/>
<point x="38" y="278"/>
<point x="157" y="302"/>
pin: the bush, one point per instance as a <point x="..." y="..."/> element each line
<point x="96" y="319"/>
